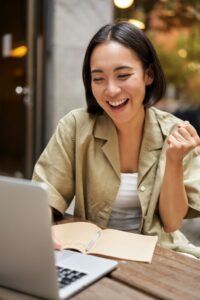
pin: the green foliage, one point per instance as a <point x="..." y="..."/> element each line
<point x="183" y="72"/>
<point x="191" y="43"/>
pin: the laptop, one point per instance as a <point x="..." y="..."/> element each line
<point x="28" y="262"/>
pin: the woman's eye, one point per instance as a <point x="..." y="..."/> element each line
<point x="99" y="79"/>
<point x="124" y="76"/>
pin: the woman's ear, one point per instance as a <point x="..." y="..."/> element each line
<point x="149" y="75"/>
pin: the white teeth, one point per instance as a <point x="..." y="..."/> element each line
<point x="117" y="103"/>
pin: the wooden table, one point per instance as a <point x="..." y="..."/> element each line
<point x="170" y="276"/>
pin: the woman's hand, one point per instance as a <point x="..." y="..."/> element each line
<point x="182" y="141"/>
<point x="56" y="244"/>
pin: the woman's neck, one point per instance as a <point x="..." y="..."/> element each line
<point x="133" y="127"/>
<point x="130" y="140"/>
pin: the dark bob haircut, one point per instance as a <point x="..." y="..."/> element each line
<point x="134" y="39"/>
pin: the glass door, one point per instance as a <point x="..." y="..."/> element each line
<point x="21" y="77"/>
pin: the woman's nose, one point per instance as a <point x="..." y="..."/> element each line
<point x="112" y="89"/>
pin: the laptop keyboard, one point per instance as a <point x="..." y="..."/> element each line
<point x="68" y="276"/>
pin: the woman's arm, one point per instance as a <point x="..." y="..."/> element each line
<point x="173" y="203"/>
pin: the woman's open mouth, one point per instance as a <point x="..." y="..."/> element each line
<point x="117" y="104"/>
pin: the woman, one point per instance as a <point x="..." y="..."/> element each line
<point x="129" y="165"/>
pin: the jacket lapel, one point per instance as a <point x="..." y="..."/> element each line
<point x="152" y="144"/>
<point x="106" y="130"/>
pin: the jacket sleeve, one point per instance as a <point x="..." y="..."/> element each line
<point x="55" y="166"/>
<point x="192" y="183"/>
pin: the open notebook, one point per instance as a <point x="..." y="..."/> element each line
<point x="28" y="262"/>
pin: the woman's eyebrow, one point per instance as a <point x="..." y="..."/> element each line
<point x="115" y="69"/>
<point x="96" y="71"/>
<point x="122" y="68"/>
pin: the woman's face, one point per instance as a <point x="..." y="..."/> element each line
<point x="118" y="81"/>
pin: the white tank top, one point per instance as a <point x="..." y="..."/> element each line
<point x="126" y="212"/>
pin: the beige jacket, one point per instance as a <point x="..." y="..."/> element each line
<point x="82" y="160"/>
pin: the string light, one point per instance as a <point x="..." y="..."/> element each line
<point x="137" y="23"/>
<point x="123" y="3"/>
<point x="19" y="51"/>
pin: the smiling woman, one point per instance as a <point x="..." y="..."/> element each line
<point x="119" y="82"/>
<point x="135" y="44"/>
<point x="129" y="165"/>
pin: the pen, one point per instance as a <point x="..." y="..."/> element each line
<point x="93" y="240"/>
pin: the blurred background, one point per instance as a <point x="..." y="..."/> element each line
<point x="41" y="53"/>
